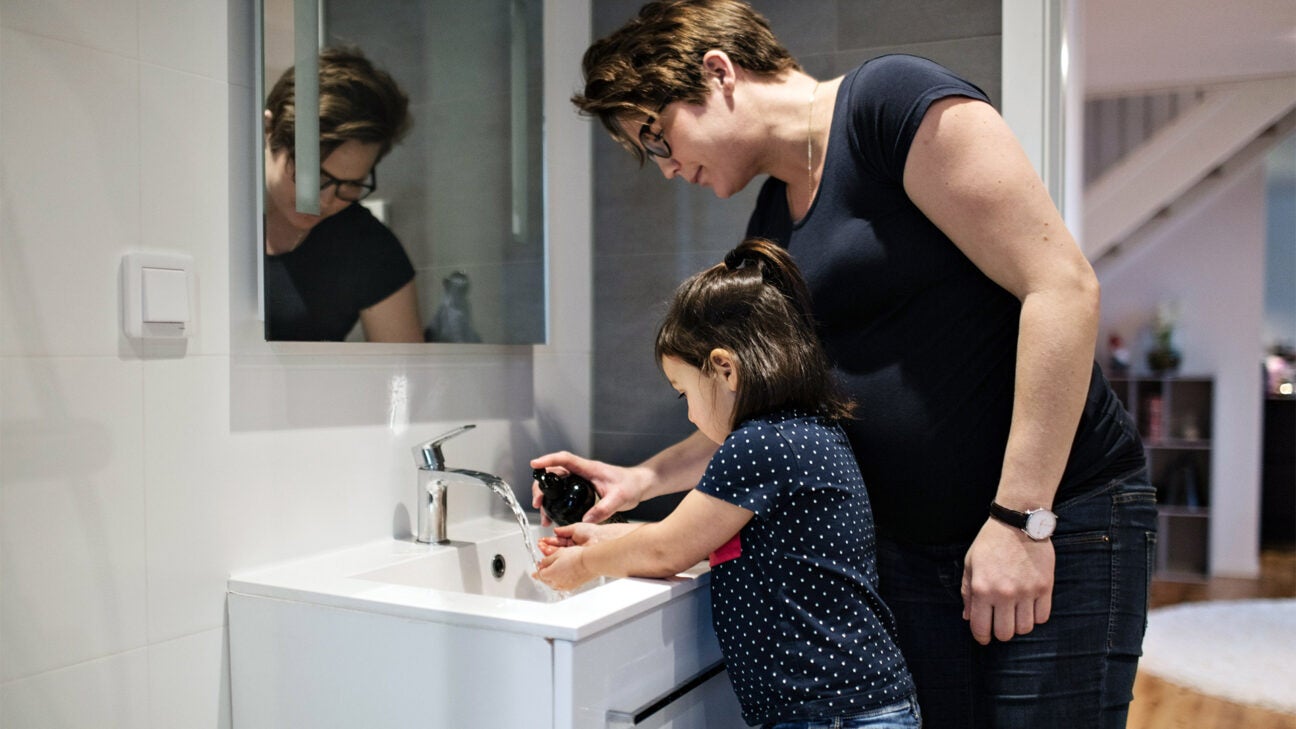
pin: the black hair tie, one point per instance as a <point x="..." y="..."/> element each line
<point x="738" y="258"/>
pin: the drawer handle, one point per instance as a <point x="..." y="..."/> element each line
<point x="637" y="717"/>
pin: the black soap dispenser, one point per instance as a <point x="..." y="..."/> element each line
<point x="567" y="498"/>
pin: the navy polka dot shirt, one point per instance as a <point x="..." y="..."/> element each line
<point x="797" y="613"/>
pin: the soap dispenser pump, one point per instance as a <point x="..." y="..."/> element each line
<point x="567" y="498"/>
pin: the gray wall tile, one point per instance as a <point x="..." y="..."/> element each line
<point x="866" y="23"/>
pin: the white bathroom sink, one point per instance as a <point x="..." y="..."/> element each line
<point x="496" y="566"/>
<point x="482" y="579"/>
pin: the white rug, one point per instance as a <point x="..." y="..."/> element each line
<point x="1240" y="650"/>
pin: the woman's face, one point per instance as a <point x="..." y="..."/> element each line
<point x="710" y="398"/>
<point x="352" y="160"/>
<point x="705" y="143"/>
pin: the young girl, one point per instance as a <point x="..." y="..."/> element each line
<point x="781" y="508"/>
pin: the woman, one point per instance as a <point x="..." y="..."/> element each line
<point x="961" y="317"/>
<point x="324" y="272"/>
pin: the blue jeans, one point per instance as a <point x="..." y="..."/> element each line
<point x="900" y="715"/>
<point x="1076" y="669"/>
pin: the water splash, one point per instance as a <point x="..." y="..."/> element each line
<point x="524" y="524"/>
<point x="504" y="492"/>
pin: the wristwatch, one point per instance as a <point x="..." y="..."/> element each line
<point x="1038" y="524"/>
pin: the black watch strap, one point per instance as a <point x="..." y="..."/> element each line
<point x="1008" y="516"/>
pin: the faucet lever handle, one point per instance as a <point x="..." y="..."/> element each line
<point x="428" y="454"/>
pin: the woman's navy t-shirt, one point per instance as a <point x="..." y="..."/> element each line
<point x="348" y="262"/>
<point x="797" y="612"/>
<point x="924" y="342"/>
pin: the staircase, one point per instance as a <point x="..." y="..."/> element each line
<point x="1148" y="154"/>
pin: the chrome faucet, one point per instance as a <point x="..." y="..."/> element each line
<point x="434" y="477"/>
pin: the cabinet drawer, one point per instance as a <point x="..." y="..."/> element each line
<point x="640" y="662"/>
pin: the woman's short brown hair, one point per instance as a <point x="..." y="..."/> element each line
<point x="358" y="101"/>
<point x="755" y="305"/>
<point x="656" y="58"/>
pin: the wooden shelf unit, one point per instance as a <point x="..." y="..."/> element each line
<point x="1175" y="417"/>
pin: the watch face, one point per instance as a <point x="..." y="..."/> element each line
<point x="1040" y="524"/>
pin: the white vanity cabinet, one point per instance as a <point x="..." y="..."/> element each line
<point x="295" y="664"/>
<point x="660" y="669"/>
<point x="313" y="645"/>
<point x="300" y="665"/>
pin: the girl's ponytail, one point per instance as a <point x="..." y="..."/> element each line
<point x="777" y="269"/>
<point x="755" y="305"/>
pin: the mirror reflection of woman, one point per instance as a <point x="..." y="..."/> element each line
<point x="325" y="272"/>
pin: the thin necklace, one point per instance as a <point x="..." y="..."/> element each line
<point x="810" y="183"/>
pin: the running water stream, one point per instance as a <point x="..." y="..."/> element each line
<point x="503" y="491"/>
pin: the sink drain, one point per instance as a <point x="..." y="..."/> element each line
<point x="497" y="566"/>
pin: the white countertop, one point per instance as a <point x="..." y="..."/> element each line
<point x="328" y="579"/>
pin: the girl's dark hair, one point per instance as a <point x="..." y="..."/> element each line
<point x="755" y="304"/>
<point x="358" y="101"/>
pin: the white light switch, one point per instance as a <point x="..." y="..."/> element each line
<point x="166" y="295"/>
<point x="157" y="291"/>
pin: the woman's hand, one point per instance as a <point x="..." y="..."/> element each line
<point x="619" y="488"/>
<point x="1007" y="583"/>
<point x="564" y="568"/>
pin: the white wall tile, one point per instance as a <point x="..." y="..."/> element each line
<point x="184" y="187"/>
<point x="353" y="494"/>
<point x="563" y="400"/>
<point x="106" y="25"/>
<point x="186" y="35"/>
<point x="189" y="682"/>
<point x="72" y="512"/>
<point x="212" y="495"/>
<point x="111" y="693"/>
<point x="130" y="489"/>
<point x="69" y="152"/>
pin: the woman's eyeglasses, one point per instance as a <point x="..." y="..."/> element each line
<point x="654" y="143"/>
<point x="348" y="190"/>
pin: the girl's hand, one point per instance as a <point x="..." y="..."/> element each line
<point x="571" y="535"/>
<point x="583" y="535"/>
<point x="563" y="569"/>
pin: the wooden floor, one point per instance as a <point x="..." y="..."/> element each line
<point x="1162" y="705"/>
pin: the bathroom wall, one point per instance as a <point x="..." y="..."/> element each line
<point x="134" y="480"/>
<point x="651" y="234"/>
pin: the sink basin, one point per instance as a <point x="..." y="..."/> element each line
<point x="481" y="579"/>
<point x="497" y="566"/>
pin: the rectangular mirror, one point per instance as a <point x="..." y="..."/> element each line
<point x="461" y="192"/>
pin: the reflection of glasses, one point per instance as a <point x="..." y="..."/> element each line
<point x="348" y="190"/>
<point x="654" y="143"/>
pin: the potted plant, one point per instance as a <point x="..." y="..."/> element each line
<point x="1163" y="358"/>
